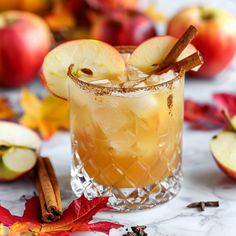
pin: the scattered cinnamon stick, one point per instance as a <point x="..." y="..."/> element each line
<point x="180" y="45"/>
<point x="185" y="64"/>
<point x="48" y="190"/>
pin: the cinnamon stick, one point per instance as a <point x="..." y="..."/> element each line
<point x="48" y="190"/>
<point x="54" y="181"/>
<point x="180" y="45"/>
<point x="46" y="216"/>
<point x="185" y="64"/>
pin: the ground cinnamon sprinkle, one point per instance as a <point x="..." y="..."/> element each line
<point x="170" y="103"/>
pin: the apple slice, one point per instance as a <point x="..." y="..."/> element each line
<point x="18" y="150"/>
<point x="223" y="147"/>
<point x="19" y="160"/>
<point x="95" y="55"/>
<point x="154" y="51"/>
<point x="12" y="134"/>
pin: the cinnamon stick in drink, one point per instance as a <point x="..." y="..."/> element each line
<point x="185" y="64"/>
<point x="48" y="190"/>
<point x="180" y="45"/>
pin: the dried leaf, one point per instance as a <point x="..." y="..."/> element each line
<point x="225" y="101"/>
<point x="47" y="115"/>
<point x="203" y="116"/>
<point x="210" y="116"/>
<point x="2" y="231"/>
<point x="6" y="111"/>
<point x="32" y="213"/>
<point x="76" y="218"/>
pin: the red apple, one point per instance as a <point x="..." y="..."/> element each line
<point x="216" y="39"/>
<point x="120" y="27"/>
<point x="24" y="41"/>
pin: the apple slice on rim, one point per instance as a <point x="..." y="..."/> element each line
<point x="154" y="51"/>
<point x="94" y="55"/>
<point x="223" y="149"/>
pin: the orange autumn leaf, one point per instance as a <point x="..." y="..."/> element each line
<point x="6" y="111"/>
<point x="2" y="231"/>
<point x="47" y="115"/>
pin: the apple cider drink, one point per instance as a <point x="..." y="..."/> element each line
<point x="126" y="114"/>
<point x="127" y="136"/>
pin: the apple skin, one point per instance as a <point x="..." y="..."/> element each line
<point x="25" y="40"/>
<point x="9" y="175"/>
<point x="216" y="39"/>
<point x="129" y="27"/>
<point x="229" y="172"/>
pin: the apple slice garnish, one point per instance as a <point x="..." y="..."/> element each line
<point x="86" y="54"/>
<point x="223" y="148"/>
<point x="19" y="147"/>
<point x="153" y="52"/>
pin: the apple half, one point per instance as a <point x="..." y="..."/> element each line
<point x="19" y="147"/>
<point x="154" y="51"/>
<point x="223" y="148"/>
<point x="99" y="57"/>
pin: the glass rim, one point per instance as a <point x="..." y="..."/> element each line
<point x="109" y="90"/>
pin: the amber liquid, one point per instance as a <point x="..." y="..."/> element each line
<point x="127" y="142"/>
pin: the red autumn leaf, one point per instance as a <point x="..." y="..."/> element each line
<point x="203" y="116"/>
<point x="210" y="116"/>
<point x="226" y="101"/>
<point x="31" y="213"/>
<point x="75" y="218"/>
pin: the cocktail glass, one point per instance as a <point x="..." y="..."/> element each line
<point x="127" y="141"/>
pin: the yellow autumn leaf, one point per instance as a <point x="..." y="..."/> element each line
<point x="24" y="228"/>
<point x="47" y="115"/>
<point x="2" y="231"/>
<point x="6" y="111"/>
<point x="154" y="14"/>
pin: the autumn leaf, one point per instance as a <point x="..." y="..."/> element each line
<point x="75" y="218"/>
<point x="225" y="101"/>
<point x="208" y="116"/>
<point x="47" y="115"/>
<point x="6" y="111"/>
<point x="2" y="231"/>
<point x="154" y="14"/>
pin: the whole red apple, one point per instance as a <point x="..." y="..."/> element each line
<point x="123" y="27"/>
<point x="24" y="41"/>
<point x="216" y="39"/>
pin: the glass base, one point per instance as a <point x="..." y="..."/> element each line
<point x="126" y="199"/>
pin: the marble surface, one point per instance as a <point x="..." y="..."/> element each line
<point x="202" y="178"/>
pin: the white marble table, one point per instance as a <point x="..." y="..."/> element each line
<point x="202" y="178"/>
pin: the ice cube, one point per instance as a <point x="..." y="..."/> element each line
<point x="104" y="82"/>
<point x="143" y="106"/>
<point x="123" y="141"/>
<point x="110" y="120"/>
<point x="134" y="74"/>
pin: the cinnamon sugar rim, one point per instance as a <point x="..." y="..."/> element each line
<point x="103" y="90"/>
